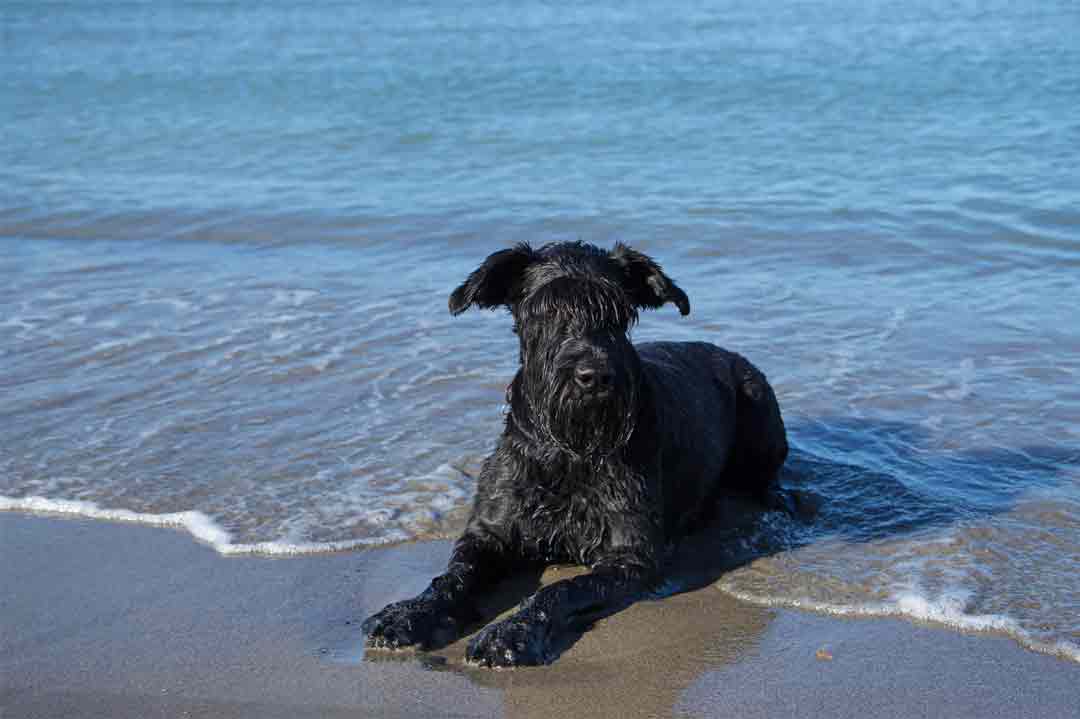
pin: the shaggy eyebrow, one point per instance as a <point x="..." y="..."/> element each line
<point x="581" y="301"/>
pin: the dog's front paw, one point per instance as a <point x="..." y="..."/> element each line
<point x="412" y="622"/>
<point x="515" y="641"/>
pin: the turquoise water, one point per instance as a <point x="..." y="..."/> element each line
<point x="851" y="116"/>
<point x="228" y="231"/>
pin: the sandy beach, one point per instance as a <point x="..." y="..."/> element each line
<point x="115" y="620"/>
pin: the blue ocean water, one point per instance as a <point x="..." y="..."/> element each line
<point x="228" y="230"/>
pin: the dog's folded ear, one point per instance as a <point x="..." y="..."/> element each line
<point x="645" y="282"/>
<point x="494" y="283"/>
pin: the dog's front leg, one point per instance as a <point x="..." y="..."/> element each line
<point x="529" y="635"/>
<point x="440" y="613"/>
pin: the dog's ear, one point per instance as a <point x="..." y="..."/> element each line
<point x="496" y="282"/>
<point x="645" y="282"/>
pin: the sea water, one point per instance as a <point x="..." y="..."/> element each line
<point x="228" y="232"/>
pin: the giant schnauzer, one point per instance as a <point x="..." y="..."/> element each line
<point x="610" y="453"/>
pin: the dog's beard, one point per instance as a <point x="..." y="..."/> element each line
<point x="584" y="427"/>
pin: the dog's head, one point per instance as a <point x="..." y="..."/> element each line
<point x="573" y="306"/>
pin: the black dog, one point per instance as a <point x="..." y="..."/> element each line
<point x="610" y="452"/>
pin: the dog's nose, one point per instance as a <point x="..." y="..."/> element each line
<point x="593" y="378"/>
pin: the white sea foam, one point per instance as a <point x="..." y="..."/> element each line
<point x="111" y="347"/>
<point x="947" y="610"/>
<point x="895" y="322"/>
<point x="178" y="305"/>
<point x="196" y="523"/>
<point x="292" y="298"/>
<point x="334" y="354"/>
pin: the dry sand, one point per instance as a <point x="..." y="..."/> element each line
<point x="111" y="620"/>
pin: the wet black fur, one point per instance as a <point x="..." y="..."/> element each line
<point x="610" y="480"/>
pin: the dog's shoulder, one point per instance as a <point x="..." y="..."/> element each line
<point x="683" y="370"/>
<point x="681" y="355"/>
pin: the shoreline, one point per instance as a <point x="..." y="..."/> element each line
<point x="117" y="620"/>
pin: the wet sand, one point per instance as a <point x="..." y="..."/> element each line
<point x="114" y="620"/>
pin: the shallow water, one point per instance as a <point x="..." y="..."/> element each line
<point x="228" y="232"/>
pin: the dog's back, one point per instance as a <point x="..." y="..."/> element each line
<point x="719" y="428"/>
